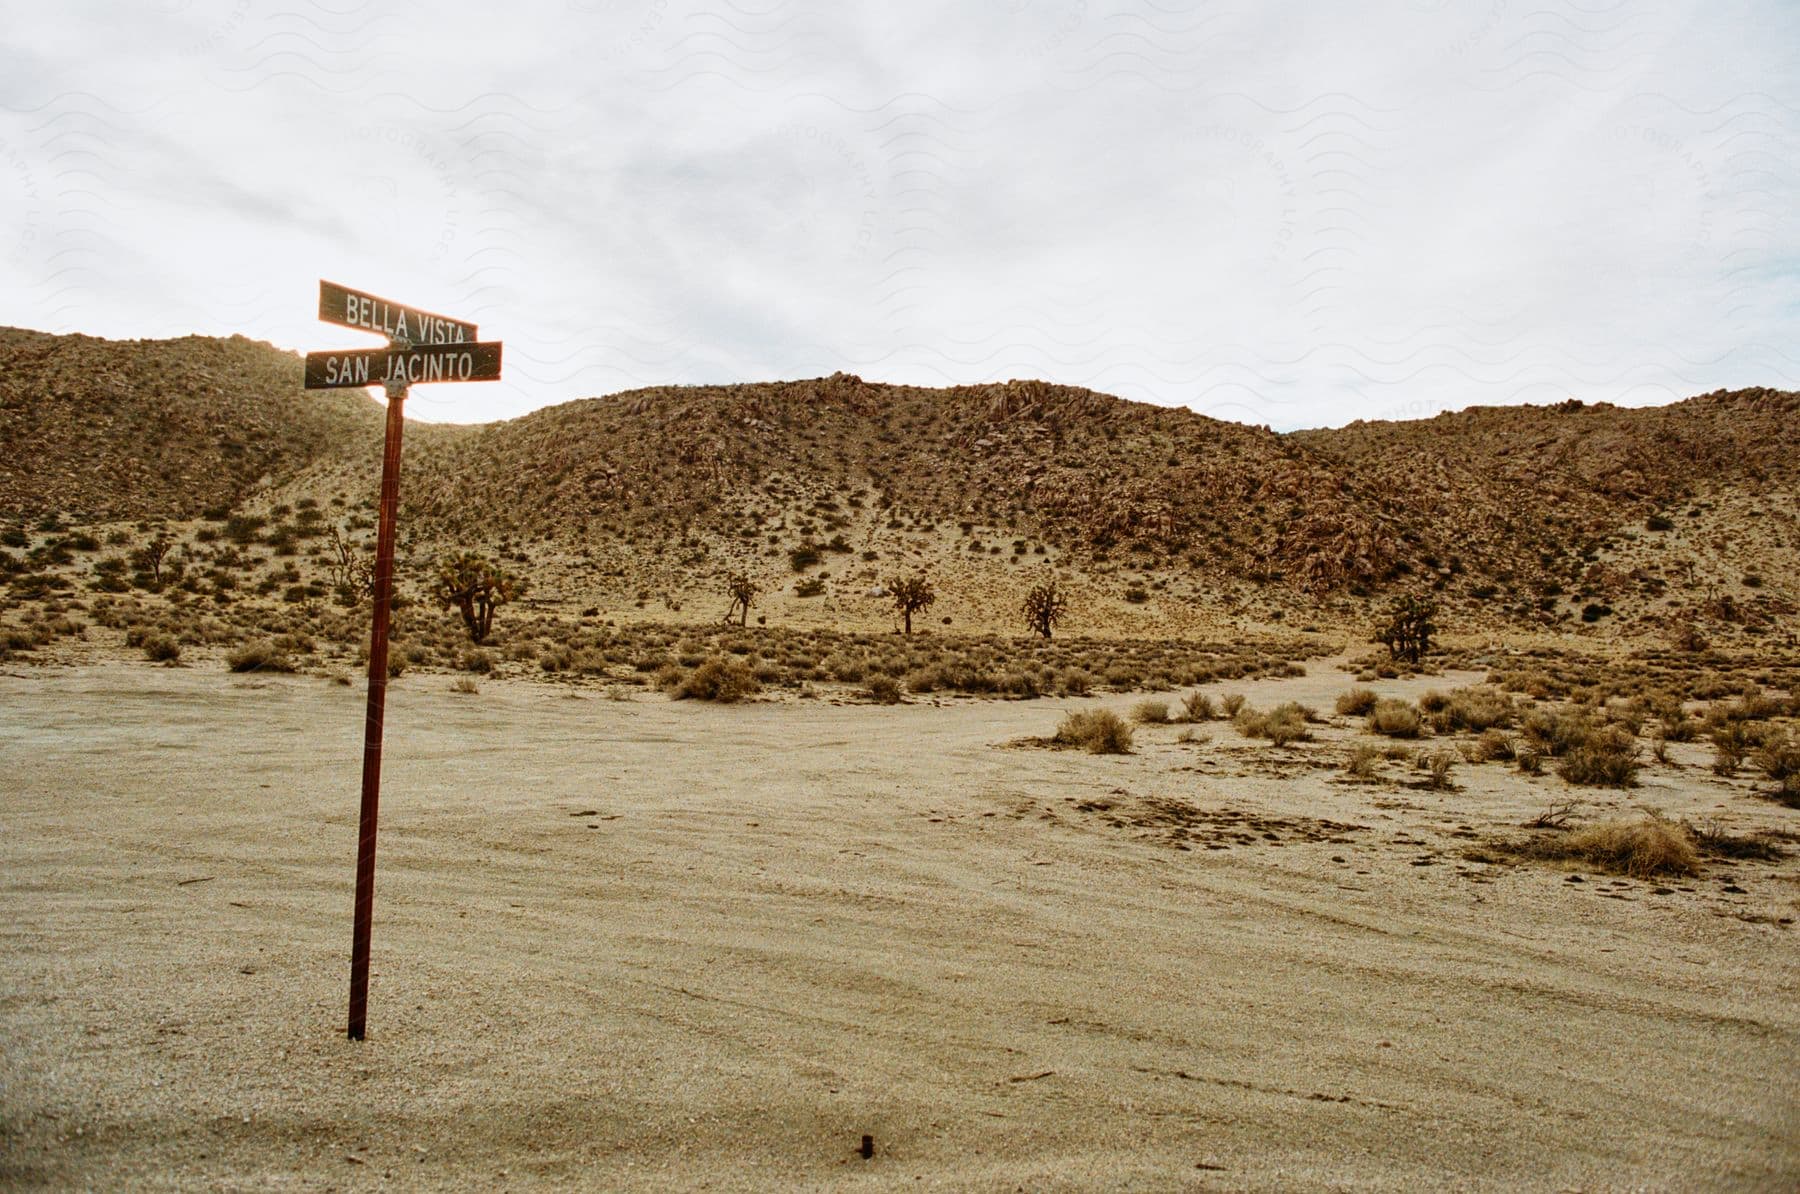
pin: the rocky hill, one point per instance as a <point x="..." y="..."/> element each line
<point x="167" y="428"/>
<point x="1533" y="514"/>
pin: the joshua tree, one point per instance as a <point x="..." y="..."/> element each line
<point x="1045" y="606"/>
<point x="743" y="592"/>
<point x="351" y="574"/>
<point x="1408" y="629"/>
<point x="150" y="557"/>
<point x="476" y="586"/>
<point x="911" y="595"/>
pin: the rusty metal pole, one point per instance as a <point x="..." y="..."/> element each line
<point x="378" y="679"/>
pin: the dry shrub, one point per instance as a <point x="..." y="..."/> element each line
<point x="722" y="678"/>
<point x="1679" y="727"/>
<point x="1232" y="703"/>
<point x="1714" y="841"/>
<point x="1395" y="719"/>
<point x="1151" y="712"/>
<point x="1556" y="816"/>
<point x="1197" y="706"/>
<point x="1023" y="685"/>
<point x="1556" y="732"/>
<point x="1356" y="702"/>
<point x="1477" y="709"/>
<point x="1754" y="705"/>
<point x="1280" y="725"/>
<point x="1730" y="744"/>
<point x="1606" y="758"/>
<point x="1533" y="682"/>
<point x="1361" y="764"/>
<point x="1493" y="744"/>
<point x="465" y="685"/>
<point x="258" y="657"/>
<point x="1123" y="677"/>
<point x="1642" y="849"/>
<point x="1074" y="681"/>
<point x="161" y="648"/>
<point x="1437" y="765"/>
<point x="883" y="690"/>
<point x="1779" y="759"/>
<point x="1097" y="731"/>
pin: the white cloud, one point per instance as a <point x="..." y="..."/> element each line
<point x="1284" y="213"/>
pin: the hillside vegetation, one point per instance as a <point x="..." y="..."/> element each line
<point x="1534" y="515"/>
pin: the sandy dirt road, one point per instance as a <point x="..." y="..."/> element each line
<point x="636" y="944"/>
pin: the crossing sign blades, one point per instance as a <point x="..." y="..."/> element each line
<point x="348" y="368"/>
<point x="370" y="313"/>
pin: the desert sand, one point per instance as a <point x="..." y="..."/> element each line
<point x="638" y="944"/>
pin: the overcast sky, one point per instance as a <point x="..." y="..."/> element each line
<point x="1286" y="213"/>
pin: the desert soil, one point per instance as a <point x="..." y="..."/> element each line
<point x="635" y="944"/>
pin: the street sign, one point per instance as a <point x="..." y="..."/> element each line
<point x="345" y="368"/>
<point x="354" y="309"/>
<point x="422" y="347"/>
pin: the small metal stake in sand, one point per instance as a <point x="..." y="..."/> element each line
<point x="421" y="347"/>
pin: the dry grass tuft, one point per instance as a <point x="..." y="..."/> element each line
<point x="1714" y="841"/>
<point x="1437" y="766"/>
<point x="1641" y="849"/>
<point x="1356" y="702"/>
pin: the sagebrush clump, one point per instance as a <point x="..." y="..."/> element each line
<point x="1281" y="725"/>
<point x="1394" y="718"/>
<point x="162" y="648"/>
<point x="1150" y="712"/>
<point x="1607" y="758"/>
<point x="1097" y="731"/>
<point x="1197" y="706"/>
<point x="722" y="678"/>
<point x="262" y="656"/>
<point x="1779" y="759"/>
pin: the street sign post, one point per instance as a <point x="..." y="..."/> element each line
<point x="422" y="347"/>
